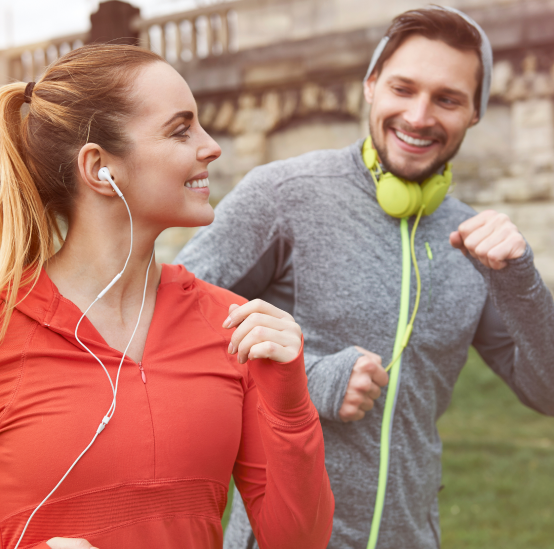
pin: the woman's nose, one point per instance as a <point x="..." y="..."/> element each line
<point x="209" y="150"/>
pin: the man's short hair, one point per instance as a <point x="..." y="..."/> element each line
<point x="435" y="24"/>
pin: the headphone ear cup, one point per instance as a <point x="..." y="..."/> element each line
<point x="434" y="190"/>
<point x="397" y="197"/>
<point x="369" y="154"/>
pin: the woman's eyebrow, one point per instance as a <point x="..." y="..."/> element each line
<point x="187" y="115"/>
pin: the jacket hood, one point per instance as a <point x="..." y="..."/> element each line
<point x="48" y="307"/>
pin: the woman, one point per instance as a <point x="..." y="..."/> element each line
<point x="187" y="401"/>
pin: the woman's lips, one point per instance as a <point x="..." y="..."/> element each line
<point x="199" y="190"/>
<point x="199" y="183"/>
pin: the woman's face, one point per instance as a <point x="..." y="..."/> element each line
<point x="163" y="175"/>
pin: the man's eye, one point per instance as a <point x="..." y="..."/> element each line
<point x="402" y="91"/>
<point x="448" y="102"/>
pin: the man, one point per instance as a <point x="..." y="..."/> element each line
<point x="309" y="234"/>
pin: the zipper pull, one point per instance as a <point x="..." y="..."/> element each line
<point x="430" y="256"/>
<point x="142" y="374"/>
<point x="429" y="252"/>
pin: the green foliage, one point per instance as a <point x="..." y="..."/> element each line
<point x="498" y="467"/>
<point x="226" y="514"/>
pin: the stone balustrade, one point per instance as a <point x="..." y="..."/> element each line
<point x="194" y="34"/>
<point x="178" y="37"/>
<point x="28" y="62"/>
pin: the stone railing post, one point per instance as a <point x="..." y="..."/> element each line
<point x="113" y="23"/>
<point x="4" y="69"/>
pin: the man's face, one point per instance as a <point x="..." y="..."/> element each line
<point x="421" y="106"/>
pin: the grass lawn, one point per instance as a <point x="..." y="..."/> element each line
<point x="498" y="467"/>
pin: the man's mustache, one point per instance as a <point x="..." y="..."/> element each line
<point x="436" y="134"/>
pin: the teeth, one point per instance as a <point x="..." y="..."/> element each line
<point x="412" y="140"/>
<point x="197" y="183"/>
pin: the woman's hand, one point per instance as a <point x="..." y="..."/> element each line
<point x="69" y="543"/>
<point x="263" y="331"/>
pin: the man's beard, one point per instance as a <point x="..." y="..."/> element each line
<point x="405" y="172"/>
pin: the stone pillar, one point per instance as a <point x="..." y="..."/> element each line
<point x="250" y="126"/>
<point x="4" y="69"/>
<point x="113" y="23"/>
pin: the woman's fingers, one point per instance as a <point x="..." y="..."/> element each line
<point x="275" y="340"/>
<point x="239" y="314"/>
<point x="263" y="327"/>
<point x="259" y="320"/>
<point x="69" y="543"/>
<point x="272" y="351"/>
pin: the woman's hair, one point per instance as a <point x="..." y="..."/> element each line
<point x="83" y="97"/>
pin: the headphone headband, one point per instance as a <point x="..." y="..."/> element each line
<point x="486" y="55"/>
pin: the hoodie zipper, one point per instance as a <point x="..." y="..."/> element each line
<point x="142" y="374"/>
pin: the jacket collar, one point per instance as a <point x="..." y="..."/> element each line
<point x="48" y="307"/>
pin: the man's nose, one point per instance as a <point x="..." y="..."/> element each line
<point x="420" y="113"/>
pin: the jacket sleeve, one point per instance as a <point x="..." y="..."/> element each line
<point x="515" y="335"/>
<point x="280" y="468"/>
<point x="328" y="377"/>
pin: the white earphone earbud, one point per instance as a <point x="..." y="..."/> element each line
<point x="104" y="175"/>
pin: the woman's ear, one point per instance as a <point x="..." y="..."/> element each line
<point x="91" y="158"/>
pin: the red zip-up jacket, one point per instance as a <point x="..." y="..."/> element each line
<point x="187" y="418"/>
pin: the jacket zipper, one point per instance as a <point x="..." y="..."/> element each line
<point x="142" y="374"/>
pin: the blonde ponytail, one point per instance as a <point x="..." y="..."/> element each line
<point x="26" y="229"/>
<point x="83" y="97"/>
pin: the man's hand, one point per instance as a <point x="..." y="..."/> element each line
<point x="491" y="238"/>
<point x="69" y="543"/>
<point x="366" y="380"/>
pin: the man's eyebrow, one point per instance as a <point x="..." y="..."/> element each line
<point x="446" y="89"/>
<point x="401" y="78"/>
<point x="187" y="115"/>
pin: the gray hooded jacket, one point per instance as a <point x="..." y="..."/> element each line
<point x="308" y="235"/>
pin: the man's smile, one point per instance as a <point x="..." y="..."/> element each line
<point x="411" y="144"/>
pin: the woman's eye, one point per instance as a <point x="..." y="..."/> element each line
<point x="182" y="131"/>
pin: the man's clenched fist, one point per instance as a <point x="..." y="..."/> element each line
<point x="366" y="380"/>
<point x="491" y="238"/>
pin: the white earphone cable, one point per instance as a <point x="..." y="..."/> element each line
<point x="111" y="410"/>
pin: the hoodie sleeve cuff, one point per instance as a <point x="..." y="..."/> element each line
<point x="283" y="388"/>
<point x="517" y="278"/>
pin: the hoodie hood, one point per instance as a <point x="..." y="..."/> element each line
<point x="48" y="307"/>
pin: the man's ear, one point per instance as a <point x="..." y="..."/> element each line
<point x="369" y="88"/>
<point x="475" y="119"/>
<point x="91" y="158"/>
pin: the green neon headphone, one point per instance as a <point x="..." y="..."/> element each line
<point x="402" y="198"/>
